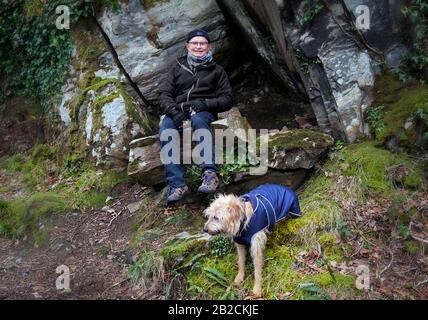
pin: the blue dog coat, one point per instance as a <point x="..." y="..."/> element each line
<point x="271" y="204"/>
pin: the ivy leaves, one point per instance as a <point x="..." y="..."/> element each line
<point x="34" y="54"/>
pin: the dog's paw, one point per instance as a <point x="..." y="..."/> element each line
<point x="238" y="279"/>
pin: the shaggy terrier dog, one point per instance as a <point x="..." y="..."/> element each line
<point x="248" y="219"/>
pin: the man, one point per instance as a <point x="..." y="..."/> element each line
<point x="196" y="89"/>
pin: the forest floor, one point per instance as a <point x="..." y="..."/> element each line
<point x="100" y="248"/>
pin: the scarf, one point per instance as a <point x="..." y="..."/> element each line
<point x="195" y="62"/>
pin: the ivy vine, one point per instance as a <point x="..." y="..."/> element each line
<point x="34" y="53"/>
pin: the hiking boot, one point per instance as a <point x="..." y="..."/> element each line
<point x="210" y="183"/>
<point x="176" y="194"/>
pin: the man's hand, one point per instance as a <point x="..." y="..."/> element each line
<point x="178" y="119"/>
<point x="199" y="105"/>
<point x="176" y="115"/>
<point x="185" y="107"/>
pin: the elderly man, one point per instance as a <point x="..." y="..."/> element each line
<point x="196" y="89"/>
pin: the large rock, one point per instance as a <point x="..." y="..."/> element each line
<point x="147" y="38"/>
<point x="297" y="149"/>
<point x="322" y="54"/>
<point x="98" y="115"/>
<point x="145" y="165"/>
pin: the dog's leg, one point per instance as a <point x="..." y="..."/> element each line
<point x="242" y="252"/>
<point x="258" y="242"/>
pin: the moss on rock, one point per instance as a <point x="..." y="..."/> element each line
<point x="370" y="163"/>
<point x="301" y="138"/>
<point x="400" y="102"/>
<point x="27" y="216"/>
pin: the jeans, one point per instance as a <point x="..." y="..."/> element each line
<point x="174" y="172"/>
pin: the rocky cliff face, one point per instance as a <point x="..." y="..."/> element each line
<point x="98" y="115"/>
<point x="324" y="52"/>
<point x="316" y="49"/>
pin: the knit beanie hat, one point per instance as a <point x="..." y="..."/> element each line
<point x="198" y="33"/>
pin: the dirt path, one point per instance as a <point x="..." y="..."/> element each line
<point x="93" y="245"/>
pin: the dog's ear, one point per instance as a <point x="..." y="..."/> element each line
<point x="234" y="210"/>
<point x="206" y="212"/>
<point x="234" y="218"/>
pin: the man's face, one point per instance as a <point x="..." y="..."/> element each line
<point x="198" y="46"/>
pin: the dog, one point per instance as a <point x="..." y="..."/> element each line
<point x="248" y="219"/>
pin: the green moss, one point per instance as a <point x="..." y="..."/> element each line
<point x="89" y="45"/>
<point x="4" y="189"/>
<point x="100" y="101"/>
<point x="331" y="246"/>
<point x="327" y="238"/>
<point x="339" y="287"/>
<point x="320" y="212"/>
<point x="299" y="138"/>
<point x="120" y="90"/>
<point x="279" y="277"/>
<point x="12" y="164"/>
<point x="198" y="277"/>
<point x="26" y="216"/>
<point x="91" y="188"/>
<point x="176" y="251"/>
<point x="370" y="163"/>
<point x="325" y="279"/>
<point x="400" y="102"/>
<point x="414" y="180"/>
<point x="44" y="152"/>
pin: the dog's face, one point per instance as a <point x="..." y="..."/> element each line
<point x="224" y="215"/>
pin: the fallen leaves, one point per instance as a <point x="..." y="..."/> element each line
<point x="309" y="262"/>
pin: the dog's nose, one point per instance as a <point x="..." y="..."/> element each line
<point x="205" y="229"/>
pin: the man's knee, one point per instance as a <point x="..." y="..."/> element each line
<point x="166" y="123"/>
<point x="202" y="120"/>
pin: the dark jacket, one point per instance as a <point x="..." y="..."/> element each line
<point x="271" y="204"/>
<point x="209" y="83"/>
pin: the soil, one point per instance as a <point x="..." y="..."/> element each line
<point x="93" y="245"/>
